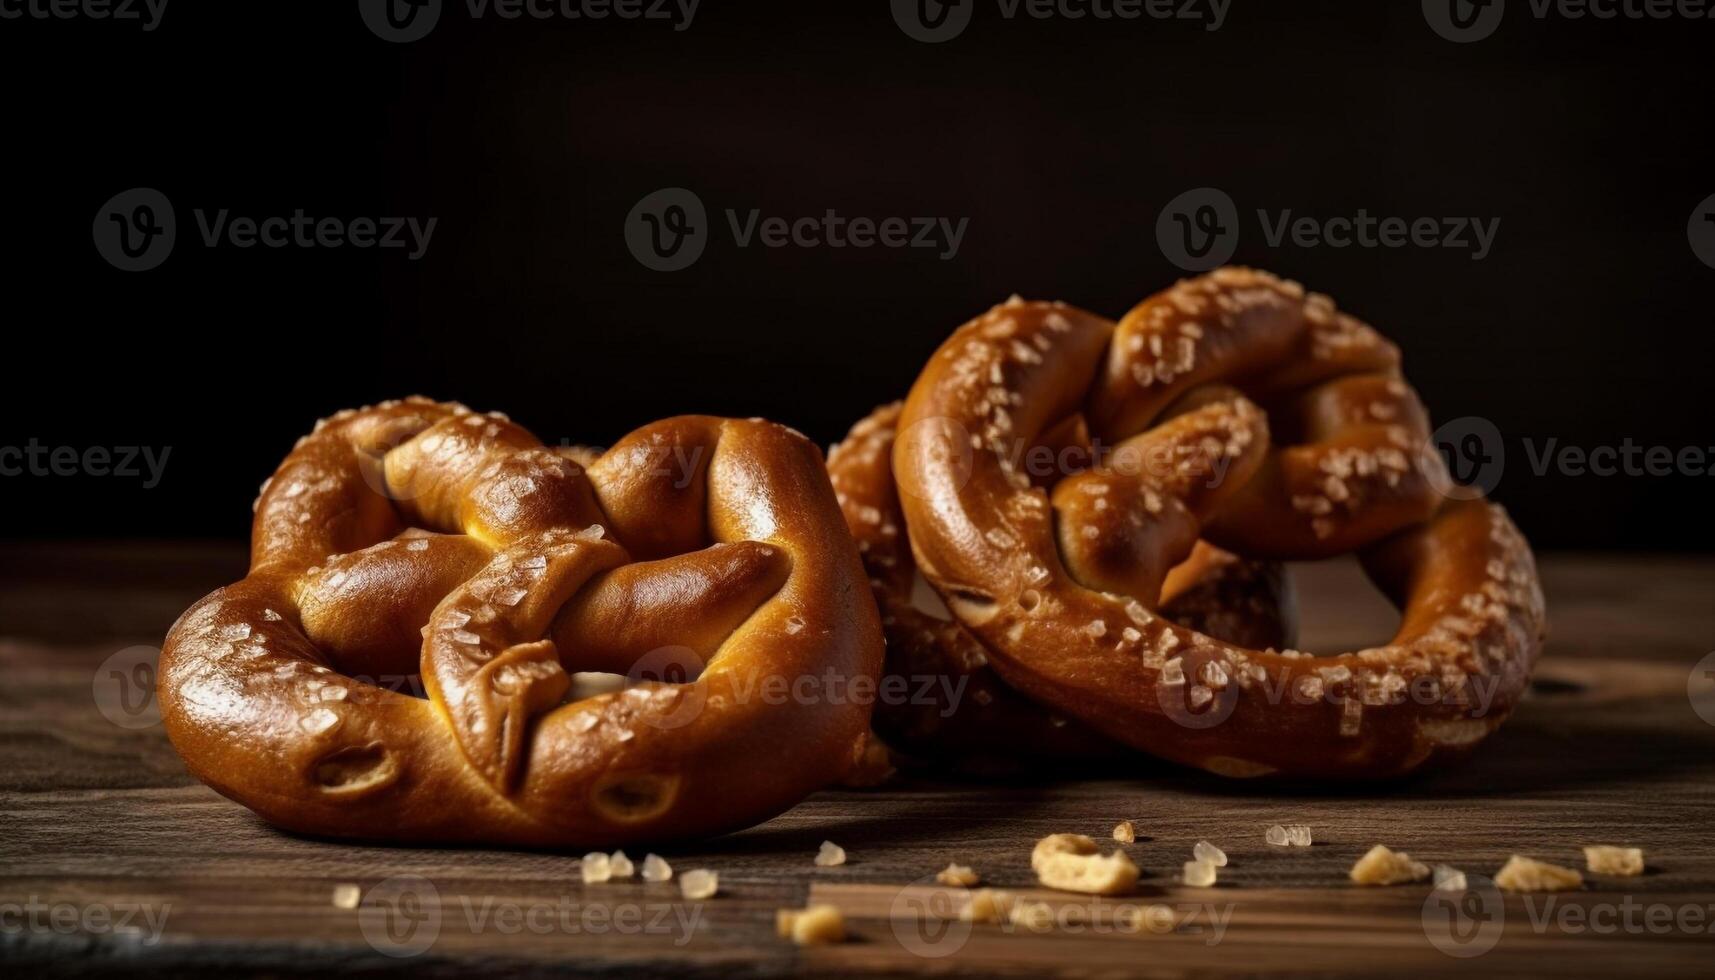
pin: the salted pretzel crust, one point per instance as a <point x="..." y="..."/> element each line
<point x="1245" y="410"/>
<point x="699" y="556"/>
<point x="954" y="708"/>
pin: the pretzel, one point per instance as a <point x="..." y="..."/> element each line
<point x="1061" y="584"/>
<point x="418" y="537"/>
<point x="949" y="704"/>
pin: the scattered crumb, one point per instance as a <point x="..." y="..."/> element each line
<point x="1449" y="879"/>
<point x="1277" y="836"/>
<point x="1603" y="859"/>
<point x="596" y="868"/>
<point x="620" y="866"/>
<point x="1205" y="851"/>
<point x="1125" y="832"/>
<point x="988" y="905"/>
<point x="346" y="896"/>
<point x="701" y="883"/>
<point x="813" y="926"/>
<point x="831" y="855"/>
<point x="1199" y="874"/>
<point x="656" y="868"/>
<point x="1071" y="862"/>
<point x="1382" y="866"/>
<point x="1522" y="874"/>
<point x="958" y="876"/>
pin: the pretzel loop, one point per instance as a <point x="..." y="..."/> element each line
<point x="1280" y="428"/>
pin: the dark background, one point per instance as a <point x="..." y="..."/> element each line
<point x="530" y="141"/>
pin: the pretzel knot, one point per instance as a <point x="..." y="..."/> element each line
<point x="421" y="542"/>
<point x="950" y="705"/>
<point x="1236" y="408"/>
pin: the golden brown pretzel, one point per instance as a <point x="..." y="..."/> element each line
<point x="1061" y="587"/>
<point x="421" y="536"/>
<point x="939" y="697"/>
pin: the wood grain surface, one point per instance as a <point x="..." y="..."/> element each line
<point x="113" y="860"/>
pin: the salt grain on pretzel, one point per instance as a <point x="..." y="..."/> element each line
<point x="418" y="536"/>
<point x="1179" y="387"/>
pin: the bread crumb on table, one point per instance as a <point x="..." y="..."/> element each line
<point x="1199" y="874"/>
<point x="831" y="855"/>
<point x="1383" y="866"/>
<point x="814" y="926"/>
<point x="698" y="884"/>
<point x="1522" y="874"/>
<point x="1072" y="862"/>
<point x="957" y="876"/>
<point x="1604" y="859"/>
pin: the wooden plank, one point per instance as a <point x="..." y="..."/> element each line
<point x="101" y="820"/>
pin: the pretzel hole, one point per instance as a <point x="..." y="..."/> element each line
<point x="635" y="797"/>
<point x="356" y="768"/>
<point x="1340" y="608"/>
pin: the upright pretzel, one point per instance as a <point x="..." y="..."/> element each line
<point x="418" y="536"/>
<point x="947" y="703"/>
<point x="1061" y="584"/>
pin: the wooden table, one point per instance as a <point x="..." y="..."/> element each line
<point x="113" y="859"/>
